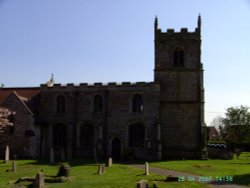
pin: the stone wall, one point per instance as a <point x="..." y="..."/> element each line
<point x="112" y="122"/>
<point x="23" y="139"/>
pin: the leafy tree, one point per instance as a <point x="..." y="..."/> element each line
<point x="236" y="125"/>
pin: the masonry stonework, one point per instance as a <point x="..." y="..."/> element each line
<point x="143" y="120"/>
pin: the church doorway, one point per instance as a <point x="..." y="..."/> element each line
<point x="116" y="149"/>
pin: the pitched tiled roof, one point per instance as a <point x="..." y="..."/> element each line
<point x="27" y="93"/>
<point x="28" y="96"/>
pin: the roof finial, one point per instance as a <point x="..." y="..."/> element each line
<point x="156" y="23"/>
<point x="51" y="81"/>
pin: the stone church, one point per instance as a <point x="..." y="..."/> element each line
<point x="162" y="119"/>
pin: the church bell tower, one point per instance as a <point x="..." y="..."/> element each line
<point x="179" y="71"/>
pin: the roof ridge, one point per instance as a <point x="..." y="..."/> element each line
<point x="22" y="101"/>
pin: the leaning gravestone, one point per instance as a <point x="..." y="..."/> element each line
<point x="39" y="181"/>
<point x="63" y="170"/>
<point x="7" y="154"/>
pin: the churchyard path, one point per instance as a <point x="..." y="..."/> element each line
<point x="164" y="172"/>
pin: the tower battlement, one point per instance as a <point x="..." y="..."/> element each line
<point x="182" y="30"/>
<point x="99" y="85"/>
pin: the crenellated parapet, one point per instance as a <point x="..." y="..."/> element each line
<point x="182" y="31"/>
<point x="98" y="85"/>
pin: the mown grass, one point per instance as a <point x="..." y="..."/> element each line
<point x="239" y="169"/>
<point x="85" y="175"/>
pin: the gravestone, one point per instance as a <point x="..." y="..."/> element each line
<point x="14" y="166"/>
<point x="39" y="181"/>
<point x="7" y="154"/>
<point x="63" y="171"/>
<point x="146" y="169"/>
<point x="142" y="184"/>
<point x="52" y="156"/>
<point x="101" y="169"/>
<point x="110" y="162"/>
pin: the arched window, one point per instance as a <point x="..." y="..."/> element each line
<point x="60" y="104"/>
<point x="87" y="135"/>
<point x="137" y="103"/>
<point x="98" y="104"/>
<point x="59" y="135"/>
<point x="136" y="135"/>
<point x="178" y="57"/>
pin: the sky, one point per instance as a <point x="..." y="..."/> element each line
<point x="113" y="41"/>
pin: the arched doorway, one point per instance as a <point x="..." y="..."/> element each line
<point x="116" y="149"/>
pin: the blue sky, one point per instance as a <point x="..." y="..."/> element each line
<point x="112" y="40"/>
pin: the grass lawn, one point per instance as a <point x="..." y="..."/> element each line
<point x="85" y="175"/>
<point x="122" y="176"/>
<point x="238" y="168"/>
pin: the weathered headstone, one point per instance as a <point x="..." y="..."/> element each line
<point x="52" y="156"/>
<point x="63" y="171"/>
<point x="146" y="169"/>
<point x="103" y="168"/>
<point x="110" y="162"/>
<point x="14" y="166"/>
<point x="7" y="154"/>
<point x="62" y="154"/>
<point x="142" y="184"/>
<point x="100" y="169"/>
<point x="39" y="181"/>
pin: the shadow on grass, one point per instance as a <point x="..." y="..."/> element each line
<point x="240" y="163"/>
<point x="75" y="162"/>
